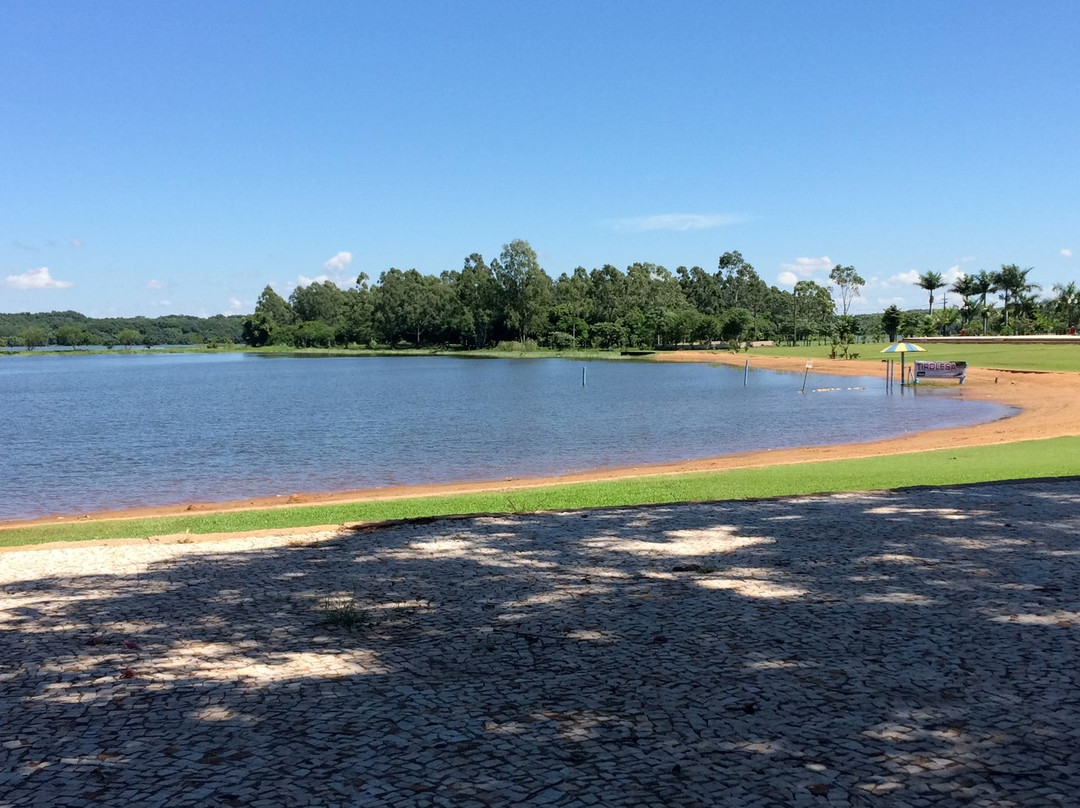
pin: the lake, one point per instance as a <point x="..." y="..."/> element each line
<point x="105" y="432"/>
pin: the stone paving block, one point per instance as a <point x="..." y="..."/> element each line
<point x="899" y="648"/>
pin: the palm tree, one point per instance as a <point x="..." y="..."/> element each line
<point x="964" y="287"/>
<point x="1012" y="282"/>
<point x="971" y="308"/>
<point x="983" y="284"/>
<point x="930" y="281"/>
<point x="1067" y="302"/>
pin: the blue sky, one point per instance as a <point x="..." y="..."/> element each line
<point x="174" y="158"/>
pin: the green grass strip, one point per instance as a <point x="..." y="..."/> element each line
<point x="978" y="355"/>
<point x="1054" y="457"/>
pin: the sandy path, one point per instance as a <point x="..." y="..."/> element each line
<point x="1046" y="400"/>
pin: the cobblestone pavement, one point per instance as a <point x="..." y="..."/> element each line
<point x="910" y="648"/>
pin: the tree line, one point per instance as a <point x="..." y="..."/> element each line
<point x="975" y="313"/>
<point x="71" y="329"/>
<point x="513" y="300"/>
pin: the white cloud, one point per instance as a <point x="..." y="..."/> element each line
<point x="156" y="284"/>
<point x="339" y="262"/>
<point x="679" y="222"/>
<point x="36" y="279"/>
<point x="235" y="305"/>
<point x="805" y="268"/>
<point x="885" y="289"/>
<point x="906" y="278"/>
<point x="77" y="242"/>
<point x="304" y="280"/>
<point x="1066" y="252"/>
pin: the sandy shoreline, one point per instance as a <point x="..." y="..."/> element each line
<point x="1046" y="402"/>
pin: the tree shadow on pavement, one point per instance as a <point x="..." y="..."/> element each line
<point x="918" y="645"/>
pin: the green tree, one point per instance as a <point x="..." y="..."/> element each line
<point x="72" y="336"/>
<point x="946" y="320"/>
<point x="314" y="334"/>
<point x="564" y="320"/>
<point x="391" y="306"/>
<point x="607" y="335"/>
<point x="128" y="337"/>
<point x="358" y="324"/>
<point x="735" y="326"/>
<point x="525" y="289"/>
<point x="1067" y="302"/>
<point x="739" y="285"/>
<point x="607" y="290"/>
<point x="477" y="294"/>
<point x="430" y="306"/>
<point x="257" y="330"/>
<point x="812" y="309"/>
<point x="983" y="284"/>
<point x="890" y="321"/>
<point x="323" y="302"/>
<point x="930" y="281"/>
<point x="274" y="308"/>
<point x="1012" y="282"/>
<point x="850" y="284"/>
<point x="965" y="287"/>
<point x="572" y="304"/>
<point x="700" y="289"/>
<point x="912" y="323"/>
<point x="845" y="329"/>
<point x="34" y="337"/>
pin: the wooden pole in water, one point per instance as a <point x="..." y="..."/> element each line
<point x="583" y="375"/>
<point x="745" y="372"/>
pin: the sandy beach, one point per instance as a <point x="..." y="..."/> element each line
<point x="1045" y="401"/>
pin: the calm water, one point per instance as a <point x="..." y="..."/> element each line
<point x="97" y="432"/>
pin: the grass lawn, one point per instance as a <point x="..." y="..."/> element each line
<point x="987" y="355"/>
<point x="1030" y="459"/>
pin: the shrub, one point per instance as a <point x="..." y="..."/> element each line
<point x="560" y="340"/>
<point x="513" y="346"/>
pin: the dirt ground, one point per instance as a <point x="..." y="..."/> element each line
<point x="1047" y="403"/>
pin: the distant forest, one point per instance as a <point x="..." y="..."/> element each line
<point x="69" y="328"/>
<point x="512" y="302"/>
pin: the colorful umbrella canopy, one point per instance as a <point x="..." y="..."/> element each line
<point x="903" y="347"/>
